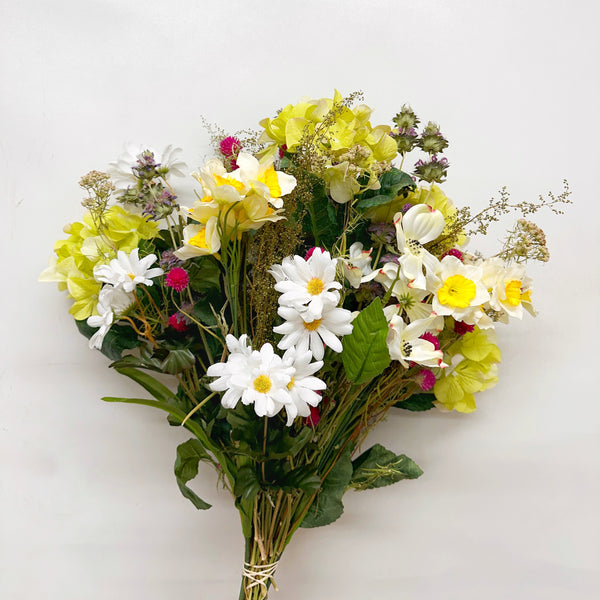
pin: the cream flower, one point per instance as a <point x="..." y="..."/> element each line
<point x="127" y="272"/>
<point x="199" y="240"/>
<point x="459" y="291"/>
<point x="510" y="287"/>
<point x="420" y="224"/>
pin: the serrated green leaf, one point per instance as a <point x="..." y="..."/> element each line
<point x="365" y="353"/>
<point x="189" y="454"/>
<point x="378" y="467"/>
<point x="417" y="402"/>
<point x="327" y="506"/>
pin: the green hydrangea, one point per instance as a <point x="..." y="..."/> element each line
<point x="86" y="247"/>
<point x="473" y="368"/>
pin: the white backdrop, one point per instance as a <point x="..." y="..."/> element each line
<point x="508" y="504"/>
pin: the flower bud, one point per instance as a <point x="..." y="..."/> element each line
<point x="406" y="118"/>
<point x="432" y="141"/>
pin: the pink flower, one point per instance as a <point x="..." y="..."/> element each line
<point x="178" y="322"/>
<point x="313" y="418"/>
<point x="230" y="146"/>
<point x="426" y="379"/>
<point x="431" y="338"/>
<point x="310" y="252"/>
<point x="453" y="252"/>
<point x="461" y="328"/>
<point x="178" y="279"/>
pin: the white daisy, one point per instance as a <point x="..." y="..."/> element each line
<point x="126" y="272"/>
<point x="303" y="385"/>
<point x="112" y="302"/>
<point x="258" y="377"/>
<point x="308" y="284"/>
<point x="315" y="334"/>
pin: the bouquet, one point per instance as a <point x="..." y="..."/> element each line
<point x="313" y="283"/>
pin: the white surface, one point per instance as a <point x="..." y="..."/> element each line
<point x="508" y="504"/>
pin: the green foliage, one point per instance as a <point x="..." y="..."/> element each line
<point x="417" y="402"/>
<point x="327" y="506"/>
<point x="365" y="352"/>
<point x="378" y="467"/>
<point x="392" y="183"/>
<point x="119" y="338"/>
<point x="162" y="361"/>
<point x="159" y="391"/>
<point x="247" y="483"/>
<point x="205" y="274"/>
<point x="321" y="220"/>
<point x="189" y="454"/>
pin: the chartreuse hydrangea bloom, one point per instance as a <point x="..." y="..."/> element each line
<point x="349" y="145"/>
<point x="473" y="368"/>
<point x="86" y="247"/>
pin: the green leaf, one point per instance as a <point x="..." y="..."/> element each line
<point x="189" y="454"/>
<point x="417" y="402"/>
<point x="246" y="483"/>
<point x="161" y="392"/>
<point x="327" y="506"/>
<point x="391" y="182"/>
<point x="204" y="274"/>
<point x="365" y="352"/>
<point x="374" y="201"/>
<point x="378" y="467"/>
<point x="321" y="219"/>
<point x="178" y="360"/>
<point x="118" y="338"/>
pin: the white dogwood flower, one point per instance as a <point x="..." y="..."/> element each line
<point x="420" y="224"/>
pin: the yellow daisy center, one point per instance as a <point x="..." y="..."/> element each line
<point x="290" y="385"/>
<point x="512" y="291"/>
<point x="315" y="286"/>
<point x="313" y="325"/>
<point x="131" y="276"/>
<point x="457" y="291"/>
<point x="262" y="384"/>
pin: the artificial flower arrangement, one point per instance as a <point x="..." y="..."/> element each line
<point x="311" y="286"/>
